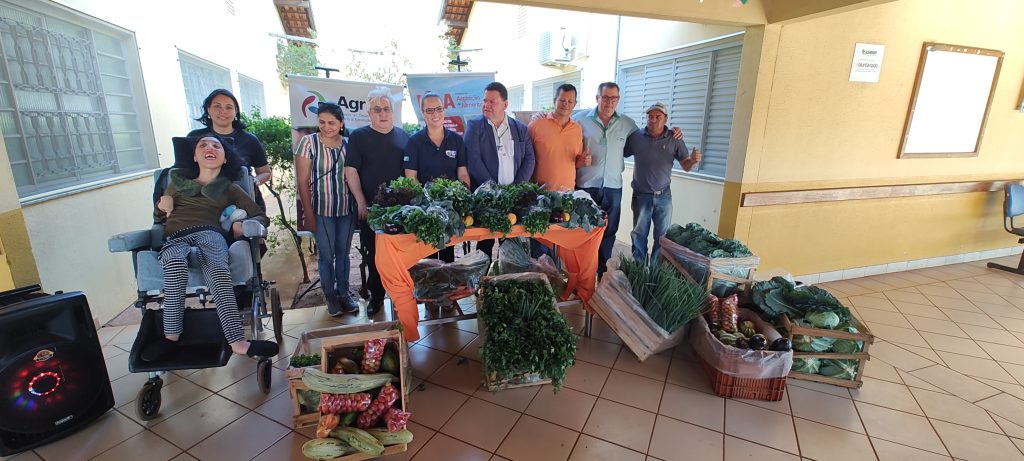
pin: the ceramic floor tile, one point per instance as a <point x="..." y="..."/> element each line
<point x="1003" y="353"/>
<point x="1006" y="406"/>
<point x="897" y="357"/>
<point x="425" y="361"/>
<point x="678" y="441"/>
<point x="694" y="407"/>
<point x="966" y="443"/>
<point x="873" y="303"/>
<point x="215" y="379"/>
<point x="837" y="391"/>
<point x="893" y="318"/>
<point x="434" y="405"/>
<point x="888" y="451"/>
<point x="883" y="371"/>
<point x="897" y="334"/>
<point x="279" y="409"/>
<point x="421" y="435"/>
<point x="963" y="318"/>
<point x="872" y="284"/>
<point x="688" y="374"/>
<point x="943" y="327"/>
<point x="939" y="289"/>
<point x="926" y="352"/>
<point x="569" y="407"/>
<point x="958" y="303"/>
<point x="921" y="310"/>
<point x="441" y="447"/>
<point x="819" y="441"/>
<point x="1008" y="427"/>
<point x="781" y="406"/>
<point x="586" y="377"/>
<point x="899" y="427"/>
<point x="155" y="448"/>
<point x="992" y="335"/>
<point x="761" y="426"/>
<point x="954" y="409"/>
<point x="1012" y="324"/>
<point x="913" y="381"/>
<point x="592" y="449"/>
<point x="533" y="439"/>
<point x="105" y="334"/>
<point x="1012" y="312"/>
<point x="1015" y="390"/>
<point x="955" y="383"/>
<point x="907" y="297"/>
<point x="633" y="390"/>
<point x="460" y="374"/>
<point x="450" y="340"/>
<point x="742" y="450"/>
<point x="482" y="424"/>
<point x="825" y="408"/>
<point x="597" y="352"/>
<point x="974" y="366"/>
<point x="601" y="331"/>
<point x="968" y="286"/>
<point x="107" y="432"/>
<point x="288" y="448"/>
<point x="472" y="350"/>
<point x="516" y="399"/>
<point x="620" y="424"/>
<point x="117" y="366"/>
<point x="174" y="398"/>
<point x="954" y="344"/>
<point x="242" y="440"/>
<point x="248" y="394"/>
<point x="984" y="298"/>
<point x="196" y="423"/>
<point x="655" y="367"/>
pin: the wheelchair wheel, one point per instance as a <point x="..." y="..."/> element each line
<point x="147" y="403"/>
<point x="277" y="315"/>
<point x="263" y="370"/>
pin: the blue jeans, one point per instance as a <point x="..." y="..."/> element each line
<point x="609" y="200"/>
<point x="334" y="241"/>
<point x="647" y="208"/>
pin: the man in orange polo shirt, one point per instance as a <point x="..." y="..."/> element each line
<point x="558" y="143"/>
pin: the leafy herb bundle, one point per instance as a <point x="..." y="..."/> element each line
<point x="525" y="332"/>
<point x="537" y="220"/>
<point x="496" y="221"/>
<point x="669" y="300"/>
<point x="447" y="190"/>
<point x="401" y="191"/>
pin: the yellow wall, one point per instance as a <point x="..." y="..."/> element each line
<point x="812" y="128"/>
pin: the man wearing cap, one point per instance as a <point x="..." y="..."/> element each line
<point x="654" y="151"/>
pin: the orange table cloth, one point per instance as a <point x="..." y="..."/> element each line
<point x="397" y="253"/>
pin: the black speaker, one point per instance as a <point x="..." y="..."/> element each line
<point x="53" y="379"/>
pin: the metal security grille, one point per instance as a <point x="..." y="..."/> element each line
<point x="200" y="78"/>
<point x="250" y="95"/>
<point x="698" y="85"/>
<point x="67" y="109"/>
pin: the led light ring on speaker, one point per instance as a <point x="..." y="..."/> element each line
<point x="45" y="374"/>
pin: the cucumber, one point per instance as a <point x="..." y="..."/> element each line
<point x="359" y="439"/>
<point x="343" y="384"/>
<point x="349" y="418"/>
<point x="390" y="438"/>
<point x="389" y="363"/>
<point x="321" y="449"/>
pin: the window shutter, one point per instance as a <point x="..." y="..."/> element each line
<point x="250" y="95"/>
<point x="200" y="78"/>
<point x="544" y="90"/>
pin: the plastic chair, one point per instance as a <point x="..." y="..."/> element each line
<point x="1013" y="206"/>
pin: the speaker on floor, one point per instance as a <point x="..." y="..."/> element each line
<point x="53" y="379"/>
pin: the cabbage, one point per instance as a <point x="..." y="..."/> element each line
<point x="806" y="343"/>
<point x="806" y="365"/>
<point x="842" y="369"/>
<point x="847" y="346"/>
<point x="827" y="320"/>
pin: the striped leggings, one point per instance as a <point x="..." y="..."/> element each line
<point x="213" y="259"/>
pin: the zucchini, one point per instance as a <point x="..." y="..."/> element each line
<point x="321" y="449"/>
<point x="359" y="439"/>
<point x="390" y="438"/>
<point x="343" y="384"/>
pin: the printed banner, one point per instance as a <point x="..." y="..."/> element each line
<point x="304" y="93"/>
<point x="462" y="94"/>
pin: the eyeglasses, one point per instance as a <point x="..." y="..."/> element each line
<point x="433" y="110"/>
<point x="610" y="98"/>
<point x="378" y="110"/>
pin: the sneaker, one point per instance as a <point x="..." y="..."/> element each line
<point x="348" y="303"/>
<point x="375" y="305"/>
<point x="334" y="307"/>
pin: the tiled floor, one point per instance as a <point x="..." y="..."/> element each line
<point x="946" y="380"/>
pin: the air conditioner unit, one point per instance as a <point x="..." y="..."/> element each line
<point x="557" y="48"/>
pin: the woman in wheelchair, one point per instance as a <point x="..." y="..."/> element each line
<point x="192" y="205"/>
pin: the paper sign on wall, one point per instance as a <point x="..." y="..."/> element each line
<point x="867" y="62"/>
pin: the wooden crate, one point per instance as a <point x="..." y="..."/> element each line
<point x="861" y="357"/>
<point x="688" y="261"/>
<point x="631" y="323"/>
<point x="356" y="338"/>
<point x="310" y="342"/>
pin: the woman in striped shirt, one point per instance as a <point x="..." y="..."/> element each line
<point x="328" y="207"/>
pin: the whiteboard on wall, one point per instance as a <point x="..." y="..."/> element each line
<point x="951" y="100"/>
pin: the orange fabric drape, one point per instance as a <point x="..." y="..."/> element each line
<point x="397" y="253"/>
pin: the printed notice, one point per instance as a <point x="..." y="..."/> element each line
<point x="867" y="62"/>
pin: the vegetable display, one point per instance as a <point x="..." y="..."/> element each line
<point x="525" y="333"/>
<point x="669" y="300"/>
<point x="705" y="242"/>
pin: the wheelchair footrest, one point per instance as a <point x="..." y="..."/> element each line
<point x="202" y="343"/>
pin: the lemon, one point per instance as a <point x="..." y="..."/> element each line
<point x="512" y="218"/>
<point x="467" y="220"/>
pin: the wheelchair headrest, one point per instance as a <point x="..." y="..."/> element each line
<point x="1014" y="200"/>
<point x="185" y="151"/>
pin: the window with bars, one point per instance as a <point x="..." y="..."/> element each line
<point x="544" y="90"/>
<point x="250" y="95"/>
<point x="72" y="106"/>
<point x="698" y="85"/>
<point x="200" y="78"/>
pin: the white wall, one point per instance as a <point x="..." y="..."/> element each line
<point x="69" y="234"/>
<point x="693" y="200"/>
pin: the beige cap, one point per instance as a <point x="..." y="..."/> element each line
<point x="658" y="106"/>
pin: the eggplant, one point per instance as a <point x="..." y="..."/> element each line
<point x="742" y="344"/>
<point x="758" y="342"/>
<point x="781" y="345"/>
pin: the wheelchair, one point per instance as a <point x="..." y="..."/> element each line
<point x="202" y="343"/>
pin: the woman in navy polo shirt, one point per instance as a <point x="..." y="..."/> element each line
<point x="435" y="152"/>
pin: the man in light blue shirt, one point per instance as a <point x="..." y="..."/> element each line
<point x="604" y="134"/>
